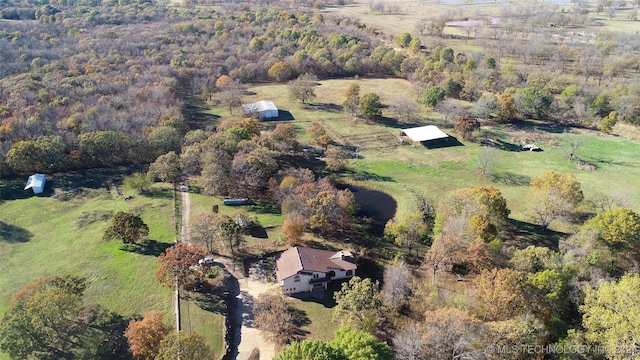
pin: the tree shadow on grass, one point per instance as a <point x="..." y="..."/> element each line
<point x="195" y="115"/>
<point x="299" y="320"/>
<point x="522" y="234"/>
<point x="263" y="207"/>
<point x="395" y="123"/>
<point x="501" y="145"/>
<point x="327" y="107"/>
<point x="209" y="302"/>
<point x="13" y="189"/>
<point x="158" y="193"/>
<point x="369" y="268"/>
<point x="14" y="234"/>
<point x="554" y="128"/>
<point x="315" y="244"/>
<point x="92" y="179"/>
<point x="311" y="162"/>
<point x="149" y="247"/>
<point x="259" y="232"/>
<point x="441" y="143"/>
<point x="365" y="176"/>
<point x="511" y="179"/>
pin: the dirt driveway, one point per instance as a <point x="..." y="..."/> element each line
<point x="250" y="288"/>
<point x="250" y="337"/>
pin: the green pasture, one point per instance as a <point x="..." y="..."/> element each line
<point x="409" y="169"/>
<point x="319" y="311"/>
<point x="266" y="217"/>
<point x="206" y="318"/>
<point x="43" y="236"/>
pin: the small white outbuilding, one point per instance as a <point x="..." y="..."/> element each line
<point x="265" y="109"/>
<point x="36" y="183"/>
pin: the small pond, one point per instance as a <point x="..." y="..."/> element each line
<point x="376" y="205"/>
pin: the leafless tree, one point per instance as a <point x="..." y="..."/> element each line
<point x="603" y="202"/>
<point x="570" y="146"/>
<point x="488" y="157"/>
<point x="231" y="95"/>
<point x="302" y="88"/>
<point x="202" y="230"/>
<point x="451" y="109"/>
<point x="422" y="25"/>
<point x="450" y="333"/>
<point x="277" y="319"/>
<point x="406" y="108"/>
<point x="408" y="344"/>
<point x="397" y="285"/>
<point x="546" y="209"/>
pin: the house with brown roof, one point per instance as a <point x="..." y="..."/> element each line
<point x="302" y="269"/>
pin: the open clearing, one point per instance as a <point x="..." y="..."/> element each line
<point x="65" y="237"/>
<point x="410" y="12"/>
<point x="43" y="236"/>
<point x="405" y="170"/>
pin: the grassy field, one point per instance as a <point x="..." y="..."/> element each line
<point x="257" y="243"/>
<point x="411" y="12"/>
<point x="43" y="236"/>
<point x="202" y="317"/>
<point x="407" y="169"/>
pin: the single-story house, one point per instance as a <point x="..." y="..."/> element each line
<point x="36" y="183"/>
<point x="424" y="133"/>
<point x="265" y="109"/>
<point x="302" y="269"/>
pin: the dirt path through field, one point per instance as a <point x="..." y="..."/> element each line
<point x="186" y="212"/>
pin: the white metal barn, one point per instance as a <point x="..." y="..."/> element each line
<point x="424" y="133"/>
<point x="265" y="109"/>
<point x="36" y="183"/>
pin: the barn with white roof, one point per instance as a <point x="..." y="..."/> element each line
<point x="265" y="109"/>
<point x="424" y="133"/>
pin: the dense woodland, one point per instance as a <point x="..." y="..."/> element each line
<point x="97" y="84"/>
<point x="86" y="77"/>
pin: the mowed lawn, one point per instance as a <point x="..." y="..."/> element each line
<point x="42" y="236"/>
<point x="266" y="238"/>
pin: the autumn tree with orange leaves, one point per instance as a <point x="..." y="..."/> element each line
<point x="502" y="293"/>
<point x="176" y="265"/>
<point x="144" y="336"/>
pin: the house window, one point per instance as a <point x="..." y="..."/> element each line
<point x="296" y="278"/>
<point x="332" y="273"/>
<point x="349" y="273"/>
<point x="315" y="276"/>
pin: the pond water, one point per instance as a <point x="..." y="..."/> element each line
<point x="378" y="206"/>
